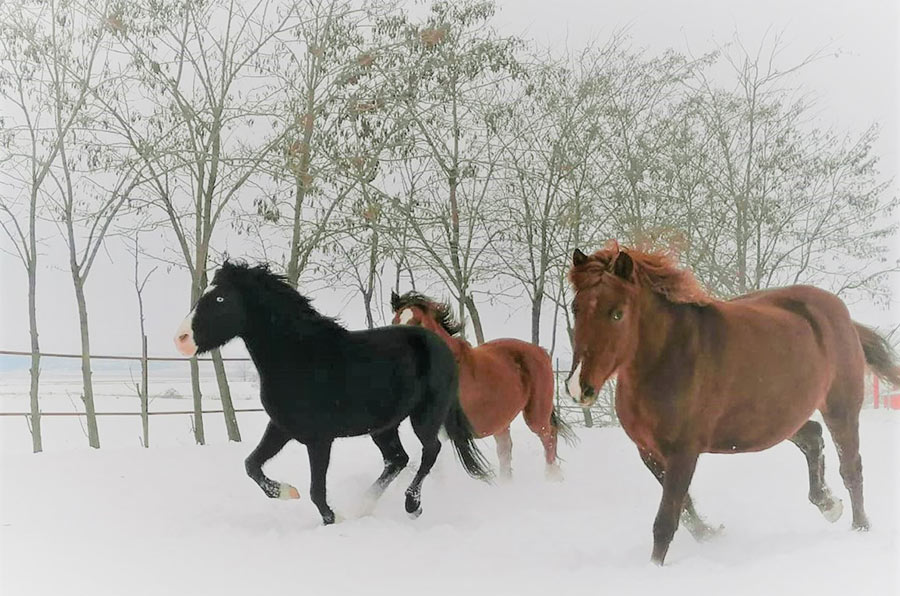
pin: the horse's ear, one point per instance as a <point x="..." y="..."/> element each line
<point x="578" y="257"/>
<point x="623" y="266"/>
<point x="395" y="301"/>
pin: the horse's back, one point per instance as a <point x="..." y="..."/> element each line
<point x="502" y="377"/>
<point x="800" y="312"/>
<point x="784" y="352"/>
<point x="370" y="382"/>
<point x="412" y="353"/>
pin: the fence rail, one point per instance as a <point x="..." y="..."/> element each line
<point x="137" y="358"/>
<point x="178" y="412"/>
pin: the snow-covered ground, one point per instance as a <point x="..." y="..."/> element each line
<point x="180" y="519"/>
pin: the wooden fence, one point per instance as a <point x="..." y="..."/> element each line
<point x="600" y="415"/>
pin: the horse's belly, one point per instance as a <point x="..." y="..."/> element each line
<point x="491" y="407"/>
<point x="763" y="422"/>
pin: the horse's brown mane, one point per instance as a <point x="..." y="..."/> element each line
<point x="441" y="311"/>
<point x="655" y="270"/>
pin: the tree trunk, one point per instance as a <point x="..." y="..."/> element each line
<point x="199" y="435"/>
<point x="367" y="302"/>
<point x="741" y="238"/>
<point x="476" y="319"/>
<point x="234" y="433"/>
<point x="302" y="180"/>
<point x="88" y="386"/>
<point x="536" y="303"/>
<point x="36" y="441"/>
<point x="145" y="388"/>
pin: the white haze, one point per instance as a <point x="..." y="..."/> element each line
<point x="852" y="91"/>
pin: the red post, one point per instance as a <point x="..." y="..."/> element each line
<point x="875" y="392"/>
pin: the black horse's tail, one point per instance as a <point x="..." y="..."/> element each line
<point x="879" y="355"/>
<point x="459" y="429"/>
<point x="563" y="429"/>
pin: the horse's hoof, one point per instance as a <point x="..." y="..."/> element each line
<point x="328" y="519"/>
<point x="861" y="526"/>
<point x="413" y="504"/>
<point x="833" y="512"/>
<point x="415" y="514"/>
<point x="286" y="491"/>
<point x="707" y="533"/>
<point x="553" y="473"/>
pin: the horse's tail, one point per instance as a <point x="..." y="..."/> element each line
<point x="879" y="355"/>
<point x="563" y="428"/>
<point x="459" y="429"/>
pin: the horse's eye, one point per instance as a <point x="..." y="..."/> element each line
<point x="616" y="315"/>
<point x="220" y="299"/>
<point x="574" y="310"/>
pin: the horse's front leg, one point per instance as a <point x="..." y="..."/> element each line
<point x="272" y="441"/>
<point x="678" y="474"/>
<point x="319" y="452"/>
<point x="698" y="528"/>
<point x="504" y="453"/>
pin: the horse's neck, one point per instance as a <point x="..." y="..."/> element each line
<point x="457" y="345"/>
<point x="271" y="344"/>
<point x="656" y="328"/>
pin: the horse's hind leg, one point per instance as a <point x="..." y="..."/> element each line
<point x="395" y="459"/>
<point x="538" y="417"/>
<point x="842" y="420"/>
<point x="504" y="452"/>
<point x="427" y="432"/>
<point x="698" y="528"/>
<point x="809" y="440"/>
<point x="273" y="440"/>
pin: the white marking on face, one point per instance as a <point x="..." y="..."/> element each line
<point x="573" y="385"/>
<point x="184" y="336"/>
<point x="406" y="316"/>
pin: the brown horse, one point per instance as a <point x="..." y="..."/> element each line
<point x="699" y="375"/>
<point x="497" y="380"/>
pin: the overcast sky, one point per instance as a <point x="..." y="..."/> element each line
<point x="853" y="91"/>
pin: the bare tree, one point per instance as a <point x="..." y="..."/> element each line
<point x="554" y="125"/>
<point x="143" y="388"/>
<point x="795" y="196"/>
<point x="451" y="71"/>
<point x="41" y="81"/>
<point x="211" y="124"/>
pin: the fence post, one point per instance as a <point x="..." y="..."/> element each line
<point x="588" y="418"/>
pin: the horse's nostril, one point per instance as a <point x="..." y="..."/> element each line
<point x="183" y="337"/>
<point x="588" y="391"/>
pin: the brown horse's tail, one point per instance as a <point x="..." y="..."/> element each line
<point x="879" y="355"/>
<point x="563" y="428"/>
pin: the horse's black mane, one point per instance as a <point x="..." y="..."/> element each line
<point x="274" y="294"/>
<point x="443" y="314"/>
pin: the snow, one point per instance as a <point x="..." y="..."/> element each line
<point x="182" y="519"/>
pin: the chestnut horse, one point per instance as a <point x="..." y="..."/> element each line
<point x="700" y="375"/>
<point x="497" y="380"/>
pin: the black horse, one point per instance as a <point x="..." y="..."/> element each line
<point x="319" y="381"/>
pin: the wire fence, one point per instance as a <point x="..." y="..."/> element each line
<point x="601" y="413"/>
